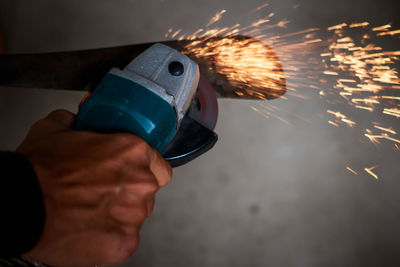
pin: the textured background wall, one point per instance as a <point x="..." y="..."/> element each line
<point x="268" y="194"/>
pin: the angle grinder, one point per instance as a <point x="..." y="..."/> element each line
<point x="159" y="96"/>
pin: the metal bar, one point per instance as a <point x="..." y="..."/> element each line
<point x="83" y="70"/>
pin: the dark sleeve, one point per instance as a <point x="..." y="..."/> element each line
<point x="22" y="213"/>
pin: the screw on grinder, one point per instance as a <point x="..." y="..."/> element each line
<point x="158" y="97"/>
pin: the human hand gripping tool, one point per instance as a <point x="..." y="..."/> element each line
<point x="160" y="97"/>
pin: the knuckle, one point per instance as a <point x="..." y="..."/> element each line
<point x="133" y="214"/>
<point x="127" y="250"/>
<point x="133" y="145"/>
<point x="143" y="188"/>
<point x="116" y="212"/>
<point x="164" y="174"/>
<point x="129" y="246"/>
<point x="168" y="176"/>
<point x="57" y="112"/>
<point x="149" y="187"/>
<point x="141" y="214"/>
<point x="40" y="123"/>
<point x="142" y="148"/>
<point x="62" y="116"/>
<point x="123" y="139"/>
<point x="156" y="157"/>
<point x="124" y="247"/>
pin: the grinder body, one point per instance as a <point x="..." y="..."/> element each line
<point x="133" y="109"/>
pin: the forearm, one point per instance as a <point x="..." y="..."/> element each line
<point x="21" y="205"/>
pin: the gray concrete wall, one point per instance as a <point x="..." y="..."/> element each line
<point x="268" y="194"/>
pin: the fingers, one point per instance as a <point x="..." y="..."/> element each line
<point x="57" y="120"/>
<point x="63" y="117"/>
<point x="137" y="195"/>
<point x="129" y="215"/>
<point x="142" y="152"/>
<point x="160" y="168"/>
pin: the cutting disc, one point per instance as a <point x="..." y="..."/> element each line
<point x="204" y="108"/>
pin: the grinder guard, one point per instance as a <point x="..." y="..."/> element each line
<point x="195" y="135"/>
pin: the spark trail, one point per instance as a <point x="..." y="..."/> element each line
<point x="340" y="65"/>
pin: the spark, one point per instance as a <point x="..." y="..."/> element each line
<point x="259" y="22"/>
<point x="392" y="112"/>
<point x="346" y="80"/>
<point x="262" y="6"/>
<point x="369" y="171"/>
<point x="337" y="27"/>
<point x="313" y="41"/>
<point x="389" y="33"/>
<point x="168" y="32"/>
<point x="344" y="40"/>
<point x="345" y="70"/>
<point x="333" y="123"/>
<point x="351" y="170"/>
<point x="364" y="77"/>
<point x="382" y="28"/>
<point x="349" y="122"/>
<point x="259" y="8"/>
<point x="216" y="18"/>
<point x="374" y="138"/>
<point x="356" y="25"/>
<point x="365" y="100"/>
<point x="330" y="73"/>
<point x="299" y="32"/>
<point x="195" y="34"/>
<point x="364" y="107"/>
<point x="337" y="114"/>
<point x="342" y="117"/>
<point x="242" y="62"/>
<point x="262" y="113"/>
<point x="392" y="53"/>
<point x="176" y="33"/>
<point x="372" y="70"/>
<point x="389" y="130"/>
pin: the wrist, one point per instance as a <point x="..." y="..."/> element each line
<point x="21" y="204"/>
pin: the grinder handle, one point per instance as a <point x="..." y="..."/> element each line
<point x="134" y="109"/>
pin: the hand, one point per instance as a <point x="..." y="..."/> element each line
<point x="98" y="189"/>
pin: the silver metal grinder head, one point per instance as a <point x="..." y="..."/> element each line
<point x="168" y="73"/>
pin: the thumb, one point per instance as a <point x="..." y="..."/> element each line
<point x="62" y="117"/>
<point x="57" y="121"/>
